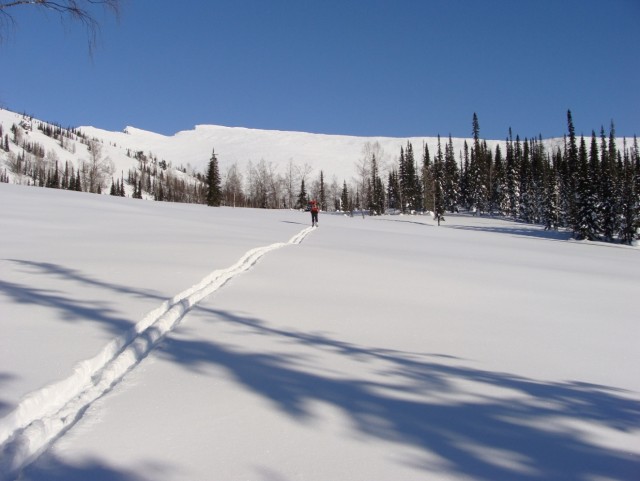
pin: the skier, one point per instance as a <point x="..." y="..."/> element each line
<point x="314" y="213"/>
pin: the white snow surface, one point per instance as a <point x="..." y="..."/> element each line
<point x="151" y="341"/>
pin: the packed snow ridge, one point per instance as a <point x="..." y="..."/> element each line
<point x="46" y="414"/>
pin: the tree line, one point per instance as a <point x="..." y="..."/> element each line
<point x="588" y="185"/>
<point x="591" y="186"/>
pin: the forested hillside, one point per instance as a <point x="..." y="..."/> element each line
<point x="587" y="183"/>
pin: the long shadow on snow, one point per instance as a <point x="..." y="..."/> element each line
<point x="67" y="274"/>
<point x="403" y="221"/>
<point x="5" y="407"/>
<point x="292" y="222"/>
<point x="74" y="309"/>
<point x="485" y="436"/>
<point x="69" y="308"/>
<point x="49" y="468"/>
<point x="519" y="230"/>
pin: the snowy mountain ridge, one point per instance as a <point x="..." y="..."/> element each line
<point x="335" y="155"/>
<point x="185" y="154"/>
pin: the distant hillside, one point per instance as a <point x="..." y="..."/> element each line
<point x="335" y="155"/>
<point x="151" y="165"/>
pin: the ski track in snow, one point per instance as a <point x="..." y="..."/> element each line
<point x="44" y="415"/>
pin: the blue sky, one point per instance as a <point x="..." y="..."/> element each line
<point x="399" y="68"/>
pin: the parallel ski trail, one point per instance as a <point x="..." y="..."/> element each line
<point x="44" y="415"/>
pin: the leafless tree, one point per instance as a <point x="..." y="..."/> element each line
<point x="363" y="170"/>
<point x="232" y="186"/>
<point x="276" y="187"/>
<point x="97" y="169"/>
<point x="82" y="11"/>
<point x="304" y="171"/>
<point x="291" y="181"/>
<point x="334" y="193"/>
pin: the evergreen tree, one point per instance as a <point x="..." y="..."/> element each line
<point x="71" y="182"/>
<point x="477" y="173"/>
<point x="417" y="191"/>
<point x="344" y="198"/>
<point x="323" y="199"/>
<point x="378" y="195"/>
<point x="451" y="179"/>
<point x="551" y="209"/>
<point x="608" y="189"/>
<point x="537" y="178"/>
<point x="572" y="169"/>
<point x="393" y="190"/>
<point x="214" y="190"/>
<point x="302" y="197"/>
<point x="604" y="165"/>
<point x="464" y="199"/>
<point x="636" y="167"/>
<point x="372" y="203"/>
<point x="630" y="198"/>
<point x="402" y="175"/>
<point x="525" y="184"/>
<point x="594" y="164"/>
<point x="438" y="178"/>
<point x="475" y="126"/>
<point x="586" y="219"/>
<point x="496" y="193"/>
<point x="408" y="181"/>
<point x="513" y="178"/>
<point x="427" y="180"/>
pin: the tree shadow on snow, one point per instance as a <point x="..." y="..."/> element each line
<point x="405" y="221"/>
<point x="67" y="274"/>
<point x="518" y="230"/>
<point x="420" y="402"/>
<point x="50" y="468"/>
<point x="5" y="407"/>
<point x="297" y="223"/>
<point x="68" y="307"/>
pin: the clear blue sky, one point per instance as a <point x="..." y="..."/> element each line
<point x="356" y="67"/>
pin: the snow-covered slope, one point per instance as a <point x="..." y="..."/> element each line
<point x="163" y="342"/>
<point x="335" y="155"/>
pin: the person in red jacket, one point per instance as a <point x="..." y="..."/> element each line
<point x="314" y="213"/>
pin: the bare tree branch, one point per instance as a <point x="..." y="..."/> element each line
<point x="77" y="10"/>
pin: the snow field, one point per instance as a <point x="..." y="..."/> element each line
<point x="46" y="414"/>
<point x="383" y="348"/>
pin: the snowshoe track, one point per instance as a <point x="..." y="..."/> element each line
<point x="46" y="414"/>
